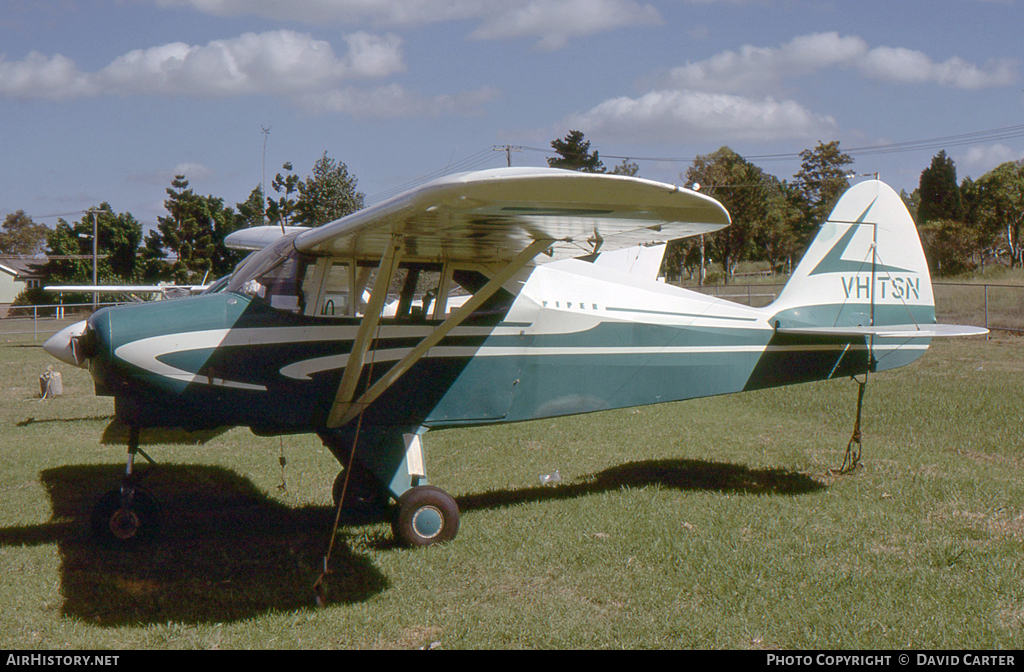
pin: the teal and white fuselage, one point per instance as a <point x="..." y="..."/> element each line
<point x="570" y="336"/>
<point x="575" y="337"/>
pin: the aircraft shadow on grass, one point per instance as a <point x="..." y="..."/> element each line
<point x="226" y="551"/>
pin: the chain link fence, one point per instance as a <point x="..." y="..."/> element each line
<point x="993" y="306"/>
<point x="996" y="307"/>
<point x="29" y="324"/>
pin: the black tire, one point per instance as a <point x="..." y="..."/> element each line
<point x="364" y="493"/>
<point x="113" y="524"/>
<point x="426" y="516"/>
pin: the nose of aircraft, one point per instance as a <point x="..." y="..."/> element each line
<point x="63" y="345"/>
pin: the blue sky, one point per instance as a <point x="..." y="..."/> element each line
<point x="105" y="100"/>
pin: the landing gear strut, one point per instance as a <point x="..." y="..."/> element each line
<point x="390" y="464"/>
<point x="127" y="514"/>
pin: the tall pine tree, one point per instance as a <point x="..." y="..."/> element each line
<point x="939" y="193"/>
<point x="574" y="154"/>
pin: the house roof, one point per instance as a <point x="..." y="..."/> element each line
<point x="23" y="268"/>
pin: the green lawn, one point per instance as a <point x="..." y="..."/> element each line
<point x="716" y="523"/>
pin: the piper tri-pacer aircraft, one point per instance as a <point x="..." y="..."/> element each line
<point x="525" y="312"/>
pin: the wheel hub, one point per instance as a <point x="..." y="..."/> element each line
<point x="428" y="522"/>
<point x="124" y="524"/>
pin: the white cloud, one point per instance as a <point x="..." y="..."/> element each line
<point x="910" y="67"/>
<point x="39" y="76"/>
<point x="163" y="176"/>
<point x="983" y="158"/>
<point x="346" y="12"/>
<point x="395" y="101"/>
<point x="555" y="21"/>
<point x="761" y="69"/>
<point x="682" y="116"/>
<point x="275" y="63"/>
<point x="193" y="171"/>
<point x="552" y="21"/>
<point x="737" y="95"/>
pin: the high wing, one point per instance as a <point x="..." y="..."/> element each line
<point x="507" y="218"/>
<point x="491" y="216"/>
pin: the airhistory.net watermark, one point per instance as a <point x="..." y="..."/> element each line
<point x="60" y="660"/>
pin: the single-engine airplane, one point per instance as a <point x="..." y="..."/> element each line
<point x="536" y="301"/>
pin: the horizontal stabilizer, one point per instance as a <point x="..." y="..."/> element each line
<point x="891" y="331"/>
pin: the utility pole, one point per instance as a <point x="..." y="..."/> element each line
<point x="263" y="184"/>
<point x="508" y="149"/>
<point x="95" y="236"/>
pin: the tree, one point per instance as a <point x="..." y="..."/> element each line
<point x="329" y="193"/>
<point x="744" y="190"/>
<point x="821" y="181"/>
<point x="193" y="234"/>
<point x="118" y="238"/>
<point x="950" y="245"/>
<point x="574" y="154"/>
<point x="627" y="168"/>
<point x="939" y="194"/>
<point x="223" y="221"/>
<point x="20" y="235"/>
<point x="252" y="211"/>
<point x="985" y="234"/>
<point x="1001" y="206"/>
<point x="776" y="239"/>
<point x="281" y="210"/>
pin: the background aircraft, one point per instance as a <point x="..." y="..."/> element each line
<point x="298" y="339"/>
<point x="168" y="291"/>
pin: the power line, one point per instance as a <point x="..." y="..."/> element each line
<point x="1005" y="133"/>
<point x="480" y="158"/>
<point x="488" y="156"/>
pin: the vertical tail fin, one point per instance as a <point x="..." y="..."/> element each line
<point x="865" y="268"/>
<point x="860" y="299"/>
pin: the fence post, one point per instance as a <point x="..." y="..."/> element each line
<point x="986" y="310"/>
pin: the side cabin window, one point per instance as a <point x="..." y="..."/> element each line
<point x="286" y="280"/>
<point x="418" y="291"/>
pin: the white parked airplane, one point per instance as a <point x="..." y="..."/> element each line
<point x="542" y="329"/>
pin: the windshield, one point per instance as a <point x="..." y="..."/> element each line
<point x="273" y="275"/>
<point x="217" y="286"/>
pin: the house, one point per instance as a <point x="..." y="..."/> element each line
<point x="16" y="275"/>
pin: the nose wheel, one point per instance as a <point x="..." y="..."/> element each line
<point x="426" y="515"/>
<point x="127" y="514"/>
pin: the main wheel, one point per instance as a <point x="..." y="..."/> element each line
<point x="364" y="492"/>
<point x="115" y="523"/>
<point x="426" y="515"/>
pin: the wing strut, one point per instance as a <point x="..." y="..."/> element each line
<point x="345" y="410"/>
<point x="371" y="318"/>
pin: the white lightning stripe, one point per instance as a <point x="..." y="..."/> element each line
<point x="145" y="353"/>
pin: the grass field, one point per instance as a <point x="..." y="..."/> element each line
<point x="715" y="523"/>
